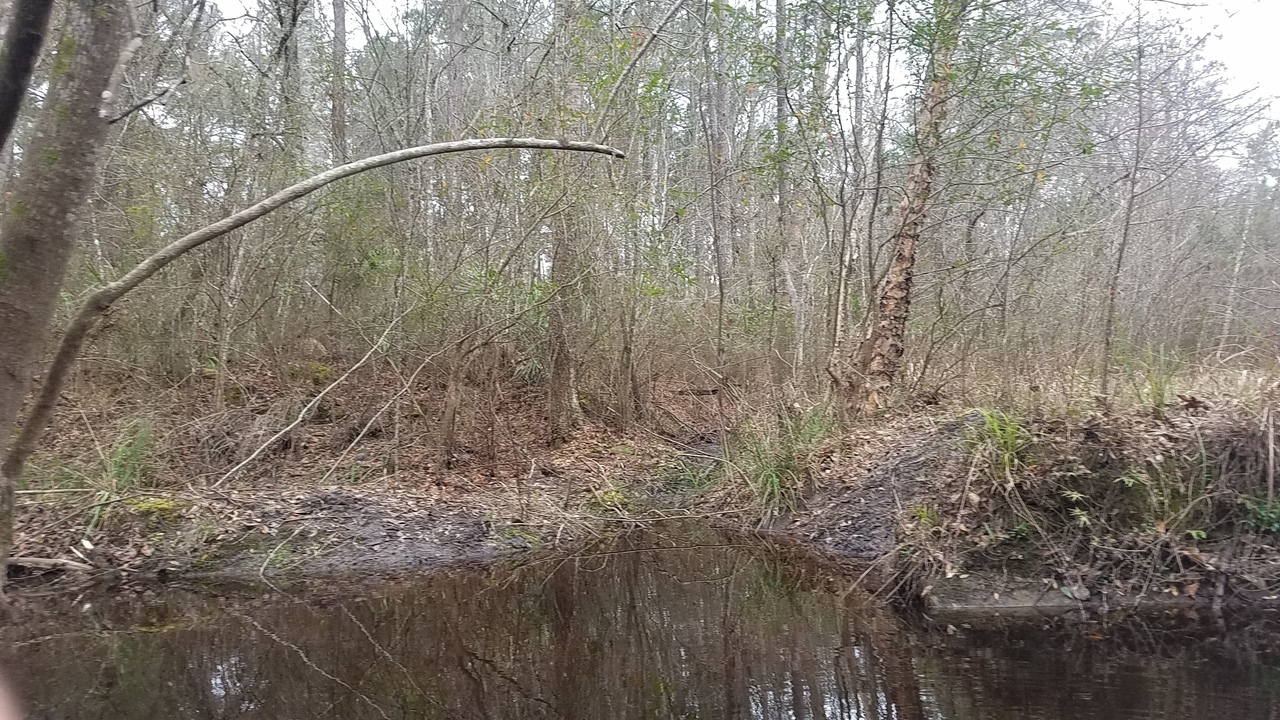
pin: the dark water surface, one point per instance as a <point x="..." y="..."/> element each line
<point x="710" y="629"/>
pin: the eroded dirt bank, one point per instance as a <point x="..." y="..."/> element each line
<point x="962" y="510"/>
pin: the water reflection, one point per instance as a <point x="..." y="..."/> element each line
<point x="705" y="630"/>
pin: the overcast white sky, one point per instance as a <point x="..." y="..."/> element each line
<point x="1244" y="34"/>
<point x="1244" y="37"/>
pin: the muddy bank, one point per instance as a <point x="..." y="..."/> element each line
<point x="268" y="529"/>
<point x="918" y="509"/>
<point x="1042" y="513"/>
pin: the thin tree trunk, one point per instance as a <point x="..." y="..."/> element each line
<point x="564" y="414"/>
<point x="1228" y="315"/>
<point x="790" y="253"/>
<point x="452" y="401"/>
<point x="850" y="212"/>
<point x="880" y="354"/>
<point x="717" y="145"/>
<point x="623" y="385"/>
<point x="339" y="89"/>
<point x="37" y="235"/>
<point x="885" y="69"/>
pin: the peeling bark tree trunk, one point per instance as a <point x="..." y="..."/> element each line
<point x="864" y="389"/>
<point x="37" y="234"/>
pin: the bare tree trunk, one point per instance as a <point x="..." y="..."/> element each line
<point x="564" y="414"/>
<point x="1233" y="294"/>
<point x="231" y="292"/>
<point x="851" y="209"/>
<point x="288" y="15"/>
<point x="885" y="72"/>
<point x="452" y="401"/>
<point x="716" y="138"/>
<point x="625" y="387"/>
<point x="880" y="354"/>
<point x="37" y="235"/>
<point x="790" y="252"/>
<point x="339" y="88"/>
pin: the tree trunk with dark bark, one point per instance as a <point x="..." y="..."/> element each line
<point x="23" y="40"/>
<point x="37" y="235"/>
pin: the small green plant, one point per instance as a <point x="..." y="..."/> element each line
<point x="610" y="500"/>
<point x="317" y="374"/>
<point x="927" y="516"/>
<point x="125" y="467"/>
<point x="530" y="371"/>
<point x="1081" y="517"/>
<point x="774" y="460"/>
<point x="1134" y="479"/>
<point x="1261" y="516"/>
<point x="281" y="557"/>
<point x="154" y="508"/>
<point x="1002" y="440"/>
<point x="1152" y="375"/>
<point x="690" y="476"/>
<point x="518" y="537"/>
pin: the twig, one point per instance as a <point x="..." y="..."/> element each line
<point x="126" y="56"/>
<point x="1271" y="457"/>
<point x="150" y="99"/>
<point x="635" y="60"/>
<point x="310" y="663"/>
<point x="94" y="506"/>
<point x="408" y="384"/>
<point x="263" y="569"/>
<point x="51" y="564"/>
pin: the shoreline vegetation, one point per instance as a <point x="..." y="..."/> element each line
<point x="981" y="511"/>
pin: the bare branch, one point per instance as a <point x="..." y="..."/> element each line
<point x="613" y="93"/>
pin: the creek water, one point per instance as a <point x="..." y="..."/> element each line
<point x="644" y="626"/>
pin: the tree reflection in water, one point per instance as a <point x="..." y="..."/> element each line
<point x="707" y="629"/>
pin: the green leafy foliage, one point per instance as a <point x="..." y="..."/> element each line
<point x="1260" y="515"/>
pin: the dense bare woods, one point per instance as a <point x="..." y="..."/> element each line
<point x="920" y="199"/>
<point x="1097" y="202"/>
